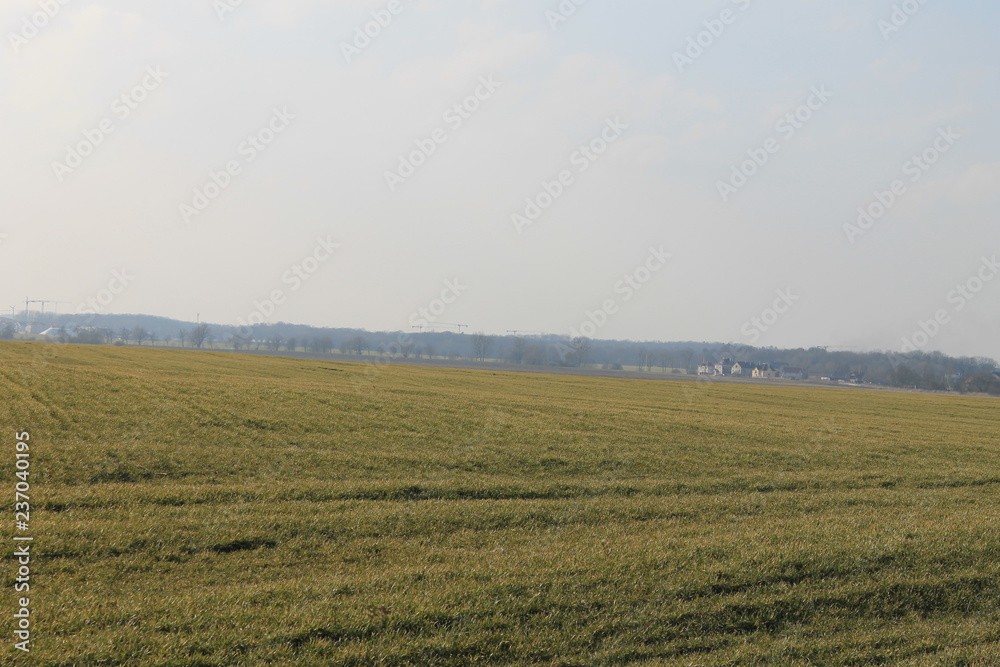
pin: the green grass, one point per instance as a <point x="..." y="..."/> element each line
<point x="202" y="508"/>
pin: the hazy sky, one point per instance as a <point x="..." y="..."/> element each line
<point x="242" y="160"/>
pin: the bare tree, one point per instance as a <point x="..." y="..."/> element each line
<point x="240" y="339"/>
<point x="182" y="336"/>
<point x="580" y="353"/>
<point x="518" y="350"/>
<point x="355" y="344"/>
<point x="123" y="335"/>
<point x="274" y="342"/>
<point x="688" y="355"/>
<point x="666" y="360"/>
<point x="199" y="335"/>
<point x="644" y="359"/>
<point x="481" y="344"/>
<point x="139" y="334"/>
<point x="291" y="344"/>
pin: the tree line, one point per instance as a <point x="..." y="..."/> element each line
<point x="920" y="370"/>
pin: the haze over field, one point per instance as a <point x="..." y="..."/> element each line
<point x="663" y="171"/>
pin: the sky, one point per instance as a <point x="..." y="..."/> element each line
<point x="791" y="174"/>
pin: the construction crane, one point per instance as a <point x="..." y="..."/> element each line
<point x="43" y="302"/>
<point x="451" y="324"/>
<point x="27" y="312"/>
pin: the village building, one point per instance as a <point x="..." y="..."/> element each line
<point x="764" y="372"/>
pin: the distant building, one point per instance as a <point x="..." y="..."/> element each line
<point x="793" y="373"/>
<point x="764" y="372"/>
<point x="744" y="369"/>
<point x="55" y="332"/>
<point x="724" y="368"/>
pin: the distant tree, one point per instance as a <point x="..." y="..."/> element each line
<point x="906" y="377"/>
<point x="429" y="350"/>
<point x="688" y="356"/>
<point x="406" y="349"/>
<point x="666" y="360"/>
<point x="983" y="383"/>
<point x="579" y="351"/>
<point x="481" y="344"/>
<point x="123" y="335"/>
<point x="8" y="331"/>
<point x="89" y="336"/>
<point x="644" y="358"/>
<point x="182" y="336"/>
<point x="240" y="339"/>
<point x="291" y="344"/>
<point x="356" y="344"/>
<point x="518" y="350"/>
<point x="199" y="334"/>
<point x="274" y="342"/>
<point x="535" y="355"/>
<point x="139" y="334"/>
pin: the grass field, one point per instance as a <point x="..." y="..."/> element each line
<point x="201" y="508"/>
